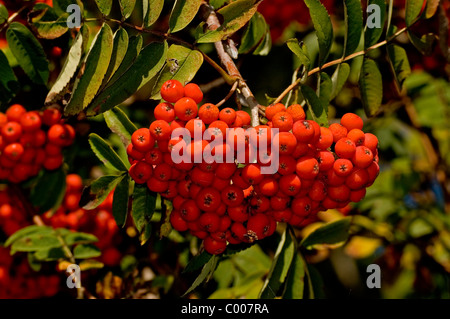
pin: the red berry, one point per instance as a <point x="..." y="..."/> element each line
<point x="172" y="91"/>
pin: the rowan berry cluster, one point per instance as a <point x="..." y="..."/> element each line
<point x="31" y="140"/>
<point x="17" y="279"/>
<point x="220" y="201"/>
<point x="99" y="222"/>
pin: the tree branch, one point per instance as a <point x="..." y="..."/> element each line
<point x="338" y="61"/>
<point x="213" y="23"/>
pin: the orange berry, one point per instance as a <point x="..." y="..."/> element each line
<point x="245" y="117"/>
<point x="286" y="143"/>
<point x="297" y="112"/>
<point x="345" y="148"/>
<point x="283" y="121"/>
<point x="164" y="111"/>
<point x="186" y="109"/>
<point x="325" y="139"/>
<point x="363" y="157"/>
<point x="227" y="115"/>
<point x="193" y="91"/>
<point x="273" y="109"/>
<point x="303" y="131"/>
<point x="338" y="131"/>
<point x="351" y="121"/>
<point x="208" y="113"/>
<point x="160" y="130"/>
<point x="172" y="91"/>
<point x="357" y="136"/>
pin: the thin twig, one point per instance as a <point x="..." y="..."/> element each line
<point x="13" y="17"/>
<point x="213" y="23"/>
<point x="232" y="90"/>
<point x="338" y="61"/>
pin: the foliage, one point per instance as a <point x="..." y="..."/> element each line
<point x="109" y="79"/>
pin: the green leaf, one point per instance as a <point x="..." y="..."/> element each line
<point x="188" y="63"/>
<point x="371" y="86"/>
<point x="90" y="264"/>
<point x="86" y="251"/>
<point x="399" y="63"/>
<point x="26" y="231"/>
<point x="371" y="35"/>
<point x="254" y="33"/>
<point x="46" y="22"/>
<point x="265" y="45"/>
<point x="183" y="12"/>
<point x="143" y="207"/>
<point x="330" y="233"/>
<point x="127" y="7"/>
<point x="295" y="282"/>
<point x="120" y="201"/>
<point x="323" y="27"/>
<point x="235" y="15"/>
<point x="412" y="11"/>
<point x="4" y="15"/>
<point x="166" y="226"/>
<point x="325" y="90"/>
<point x="94" y="194"/>
<point x="120" y="47"/>
<point x="104" y="6"/>
<point x="34" y="263"/>
<point x="152" y="11"/>
<point x="133" y="49"/>
<point x="9" y="85"/>
<point x="431" y="8"/>
<point x="119" y="123"/>
<point x="79" y="238"/>
<point x="28" y="52"/>
<point x="197" y="262"/>
<point x="60" y="6"/>
<point x="424" y="44"/>
<point x="50" y="254"/>
<point x="280" y="266"/>
<point x="70" y="66"/>
<point x="216" y="4"/>
<point x="318" y="112"/>
<point x="207" y="272"/>
<point x="106" y="153"/>
<point x="35" y="242"/>
<point x="93" y="70"/>
<point x="49" y="190"/>
<point x="301" y="51"/>
<point x="353" y="25"/>
<point x="339" y="78"/>
<point x="145" y="67"/>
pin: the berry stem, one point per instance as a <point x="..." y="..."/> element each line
<point x="14" y="16"/>
<point x="338" y="61"/>
<point x="232" y="90"/>
<point x="213" y="23"/>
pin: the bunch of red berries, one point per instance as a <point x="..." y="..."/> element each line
<point x="19" y="281"/>
<point x="213" y="166"/>
<point x="99" y="222"/>
<point x="31" y="140"/>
